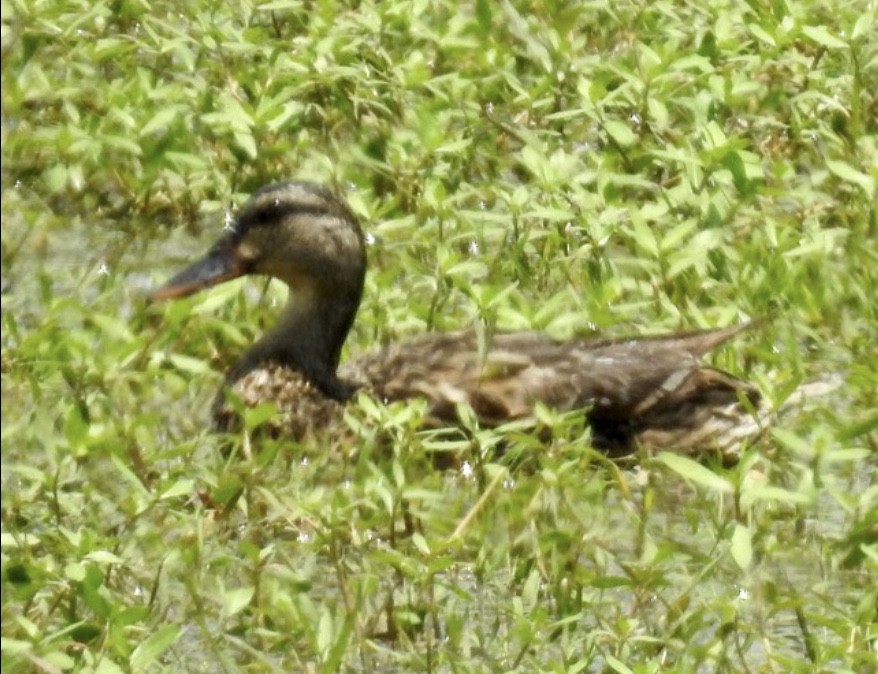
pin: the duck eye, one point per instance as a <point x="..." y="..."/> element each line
<point x="265" y="213"/>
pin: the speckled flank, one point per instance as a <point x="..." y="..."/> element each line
<point x="303" y="411"/>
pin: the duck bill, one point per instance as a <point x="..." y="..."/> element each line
<point x="222" y="263"/>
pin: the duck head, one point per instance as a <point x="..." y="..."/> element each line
<point x="305" y="236"/>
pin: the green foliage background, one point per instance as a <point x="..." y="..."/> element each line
<point x="565" y="166"/>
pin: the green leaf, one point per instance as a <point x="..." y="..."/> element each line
<point x="691" y="470"/>
<point x="218" y="296"/>
<point x="104" y="557"/>
<point x="850" y="174"/>
<point x="530" y="593"/>
<point x="847" y="455"/>
<point x="484" y="15"/>
<point x="644" y="236"/>
<point x="62" y="661"/>
<point x="92" y="596"/>
<point x="761" y="34"/>
<point x="421" y="543"/>
<point x="235" y="601"/>
<point x="823" y="37"/>
<point x="858" y="428"/>
<point x="735" y="164"/>
<point x="792" y="441"/>
<point x="246" y="142"/>
<point x="454" y="147"/>
<point x="325" y="630"/>
<point x="154" y="646"/>
<point x="256" y="416"/>
<point x="864" y="26"/>
<point x="620" y="132"/>
<point x="189" y="364"/>
<point x="179" y="488"/>
<point x="75" y="571"/>
<point x="85" y="632"/>
<point x="617" y="665"/>
<point x="280" y="6"/>
<point x="113" y="327"/>
<point x="742" y="546"/>
<point x="163" y="118"/>
<point x="107" y="666"/>
<point x="55" y="178"/>
<point x="75" y="427"/>
<point x="16" y="646"/>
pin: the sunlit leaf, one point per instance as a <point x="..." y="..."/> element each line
<point x="154" y="646"/>
<point x="620" y="132"/>
<point x="179" y="488"/>
<point x="694" y="471"/>
<point x="235" y="601"/>
<point x="851" y="175"/>
<point x="104" y="557"/>
<point x="618" y="665"/>
<point x="822" y="36"/>
<point x="742" y="546"/>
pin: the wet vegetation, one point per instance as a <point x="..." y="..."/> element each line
<point x="573" y="167"/>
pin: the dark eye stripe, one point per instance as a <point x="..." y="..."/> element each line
<point x="274" y="202"/>
<point x="270" y="213"/>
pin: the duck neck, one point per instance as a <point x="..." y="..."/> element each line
<point x="308" y="338"/>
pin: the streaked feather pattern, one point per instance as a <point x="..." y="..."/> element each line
<point x="640" y="391"/>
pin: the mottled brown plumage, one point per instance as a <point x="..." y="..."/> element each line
<point x="652" y="392"/>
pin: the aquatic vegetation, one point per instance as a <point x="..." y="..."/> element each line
<point x="566" y="167"/>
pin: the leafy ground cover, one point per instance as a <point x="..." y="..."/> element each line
<point x="569" y="167"/>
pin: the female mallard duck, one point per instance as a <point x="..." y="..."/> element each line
<point x="651" y="392"/>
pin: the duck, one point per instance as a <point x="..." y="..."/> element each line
<point x="651" y="393"/>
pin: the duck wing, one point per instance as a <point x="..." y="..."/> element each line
<point x="625" y="386"/>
